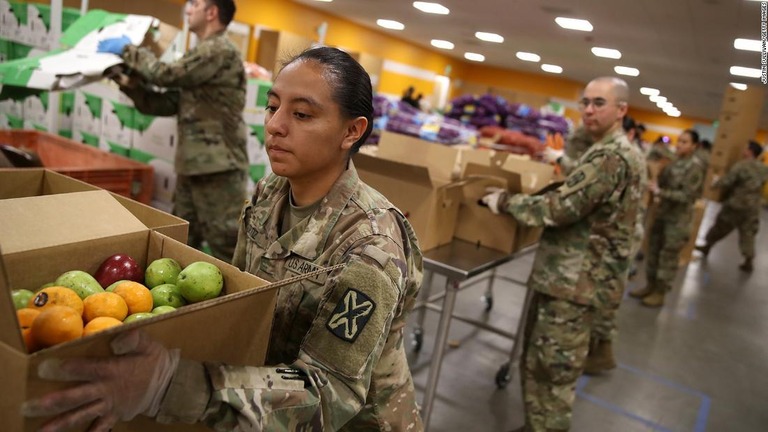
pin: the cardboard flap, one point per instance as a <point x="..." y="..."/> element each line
<point x="476" y="156"/>
<point x="8" y="312"/>
<point x="439" y="159"/>
<point x="62" y="219"/>
<point x="403" y="171"/>
<point x="485" y="176"/>
<point x="535" y="175"/>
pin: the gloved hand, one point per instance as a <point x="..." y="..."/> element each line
<point x="131" y="382"/>
<point x="113" y="45"/>
<point x="495" y="199"/>
<point x="551" y="155"/>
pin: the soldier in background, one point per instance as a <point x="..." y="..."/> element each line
<point x="741" y="188"/>
<point x="337" y="346"/>
<point x="206" y="91"/>
<point x="583" y="256"/>
<point x="704" y="152"/>
<point x="680" y="184"/>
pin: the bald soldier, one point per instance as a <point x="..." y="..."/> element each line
<point x="583" y="258"/>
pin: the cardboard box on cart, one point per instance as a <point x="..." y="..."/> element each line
<point x="416" y="177"/>
<point x="44" y="236"/>
<point x="27" y="182"/>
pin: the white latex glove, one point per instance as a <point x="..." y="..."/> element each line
<point x="551" y="155"/>
<point x="116" y="388"/>
<point x="495" y="198"/>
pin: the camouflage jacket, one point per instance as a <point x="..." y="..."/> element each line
<point x="344" y="331"/>
<point x="743" y="184"/>
<point x="584" y="251"/>
<point x="576" y="144"/>
<point x="206" y="89"/>
<point x="680" y="184"/>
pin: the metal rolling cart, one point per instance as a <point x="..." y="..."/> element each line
<point x="459" y="261"/>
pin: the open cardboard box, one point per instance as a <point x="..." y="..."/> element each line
<point x="44" y="236"/>
<point x="415" y="176"/>
<point x="27" y="182"/>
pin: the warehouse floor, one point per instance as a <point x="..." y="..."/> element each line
<point x="698" y="364"/>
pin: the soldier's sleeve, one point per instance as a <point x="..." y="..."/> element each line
<point x="598" y="179"/>
<point x="727" y="181"/>
<point x="152" y="102"/>
<point x="567" y="163"/>
<point x="692" y="183"/>
<point x="196" y="66"/>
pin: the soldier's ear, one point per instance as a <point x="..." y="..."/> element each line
<point x="355" y="129"/>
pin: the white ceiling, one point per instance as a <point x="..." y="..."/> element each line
<point x="682" y="47"/>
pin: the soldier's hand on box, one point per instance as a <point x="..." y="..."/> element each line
<point x="113" y="45"/>
<point x="110" y="389"/>
<point x="495" y="198"/>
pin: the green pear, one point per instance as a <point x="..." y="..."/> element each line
<point x="80" y="282"/>
<point x="161" y="271"/>
<point x="200" y="281"/>
<point x="167" y="295"/>
<point x="21" y="298"/>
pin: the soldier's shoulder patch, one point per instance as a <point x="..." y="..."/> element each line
<point x="351" y="315"/>
<point x="579" y="179"/>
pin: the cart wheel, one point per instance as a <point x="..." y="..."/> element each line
<point x="488" y="300"/>
<point x="502" y="376"/>
<point x="417" y="339"/>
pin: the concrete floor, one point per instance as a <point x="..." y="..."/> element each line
<point x="698" y="364"/>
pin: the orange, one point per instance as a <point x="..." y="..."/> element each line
<point x="56" y="324"/>
<point x="56" y="296"/>
<point x="100" y="323"/>
<point x="106" y="304"/>
<point x="26" y="317"/>
<point x="136" y="296"/>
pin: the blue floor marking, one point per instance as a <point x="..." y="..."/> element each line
<point x="622" y="412"/>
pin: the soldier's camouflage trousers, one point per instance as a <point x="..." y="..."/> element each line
<point x="667" y="238"/>
<point x="212" y="204"/>
<point x="746" y="222"/>
<point x="554" y="353"/>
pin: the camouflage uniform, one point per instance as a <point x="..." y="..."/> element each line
<point x="580" y="267"/>
<point x="206" y="90"/>
<point x="344" y="331"/>
<point x="659" y="151"/>
<point x="680" y="184"/>
<point x="741" y="188"/>
<point x="576" y="144"/>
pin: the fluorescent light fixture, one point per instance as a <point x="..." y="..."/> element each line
<point x="324" y="1"/>
<point x="673" y="113"/>
<point x="664" y="105"/>
<point x="442" y="44"/>
<point x="739" y="86"/>
<point x="649" y="91"/>
<point x="433" y="8"/>
<point x="657" y="98"/>
<point x="606" y="52"/>
<point x="745" y="72"/>
<point x="624" y="70"/>
<point x="747" y="44"/>
<point x="574" y="24"/>
<point x="390" y="24"/>
<point x="474" y="57"/>
<point x="489" y="37"/>
<point x="526" y="56"/>
<point x="551" y="68"/>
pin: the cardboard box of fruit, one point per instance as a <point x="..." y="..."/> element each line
<point x="67" y="238"/>
<point x="27" y="182"/>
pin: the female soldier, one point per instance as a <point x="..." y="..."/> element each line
<point x="679" y="186"/>
<point x="337" y="339"/>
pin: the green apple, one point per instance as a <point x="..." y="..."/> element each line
<point x="49" y="284"/>
<point x="162" y="309"/>
<point x="161" y="271"/>
<point x="200" y="281"/>
<point x="80" y="282"/>
<point x="137" y="316"/>
<point x="21" y="298"/>
<point x="167" y="295"/>
<point x="112" y="287"/>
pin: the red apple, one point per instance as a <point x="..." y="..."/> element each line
<point x="119" y="267"/>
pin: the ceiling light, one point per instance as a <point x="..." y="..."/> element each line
<point x="606" y="52"/>
<point x="442" y="44"/>
<point x="489" y="37"/>
<point x="433" y="8"/>
<point x="390" y="24"/>
<point x="657" y="98"/>
<point x="739" y="86"/>
<point x="324" y="1"/>
<point x="624" y="70"/>
<point x="474" y="57"/>
<point x="551" y="68"/>
<point x="649" y="91"/>
<point x="747" y="44"/>
<point x="673" y="113"/>
<point x="573" y="24"/>
<point x="745" y="72"/>
<point x="526" y="56"/>
<point x="664" y="105"/>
